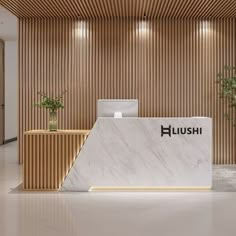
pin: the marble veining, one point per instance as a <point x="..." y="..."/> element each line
<point x="131" y="152"/>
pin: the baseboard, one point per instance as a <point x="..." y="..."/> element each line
<point x="10" y="140"/>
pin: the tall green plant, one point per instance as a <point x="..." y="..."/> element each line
<point x="227" y="82"/>
<point x="53" y="104"/>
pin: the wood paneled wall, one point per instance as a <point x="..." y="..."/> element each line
<point x="169" y="65"/>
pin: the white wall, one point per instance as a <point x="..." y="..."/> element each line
<point x="8" y="26"/>
<point x="11" y="92"/>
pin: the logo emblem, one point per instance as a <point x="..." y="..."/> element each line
<point x="180" y="131"/>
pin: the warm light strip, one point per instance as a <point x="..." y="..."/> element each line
<point x="149" y="188"/>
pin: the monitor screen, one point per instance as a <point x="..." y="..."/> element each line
<point x="117" y="108"/>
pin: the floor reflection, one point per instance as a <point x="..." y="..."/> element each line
<point x="109" y="213"/>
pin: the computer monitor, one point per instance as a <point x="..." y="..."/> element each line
<point x="117" y="108"/>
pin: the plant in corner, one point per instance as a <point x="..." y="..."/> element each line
<point x="52" y="104"/>
<point x="227" y="82"/>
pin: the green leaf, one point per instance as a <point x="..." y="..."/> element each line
<point x="50" y="103"/>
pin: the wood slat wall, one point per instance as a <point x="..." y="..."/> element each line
<point x="48" y="157"/>
<point x="169" y="65"/>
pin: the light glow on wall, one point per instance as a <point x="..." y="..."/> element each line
<point x="81" y="31"/>
<point x="143" y="27"/>
<point x="205" y="26"/>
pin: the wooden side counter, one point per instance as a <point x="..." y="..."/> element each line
<point x="48" y="157"/>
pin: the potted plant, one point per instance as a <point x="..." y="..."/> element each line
<point x="52" y="104"/>
<point x="227" y="82"/>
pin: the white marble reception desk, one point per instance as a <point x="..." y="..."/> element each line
<point x="144" y="153"/>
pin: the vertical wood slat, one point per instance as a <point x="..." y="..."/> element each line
<point x="121" y="8"/>
<point x="45" y="167"/>
<point x="170" y="66"/>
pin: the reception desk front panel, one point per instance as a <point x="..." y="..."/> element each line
<point x="48" y="157"/>
<point x="144" y="153"/>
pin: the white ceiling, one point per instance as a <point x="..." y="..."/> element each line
<point x="8" y="25"/>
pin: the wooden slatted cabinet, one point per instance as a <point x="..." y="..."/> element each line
<point x="48" y="157"/>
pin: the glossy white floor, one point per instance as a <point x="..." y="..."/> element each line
<point x="137" y="213"/>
